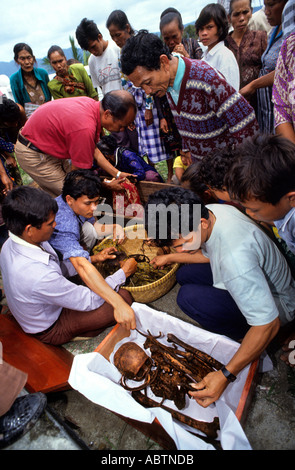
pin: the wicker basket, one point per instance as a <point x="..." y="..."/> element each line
<point x="156" y="289"/>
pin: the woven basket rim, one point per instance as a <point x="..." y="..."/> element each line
<point x="152" y="284"/>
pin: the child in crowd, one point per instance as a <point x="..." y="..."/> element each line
<point x="181" y="163"/>
<point x="124" y="158"/>
<point x="190" y="180"/>
<point x="212" y="28"/>
<point x="212" y="170"/>
<point x="262" y="180"/>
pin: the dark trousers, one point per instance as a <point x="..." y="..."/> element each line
<point x="214" y="309"/>
<point x="73" y="323"/>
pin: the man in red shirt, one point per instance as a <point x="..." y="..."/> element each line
<point x="61" y="136"/>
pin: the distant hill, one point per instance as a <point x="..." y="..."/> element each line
<point x="8" y="68"/>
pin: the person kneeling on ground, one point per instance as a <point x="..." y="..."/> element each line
<point x="235" y="281"/>
<point x="43" y="301"/>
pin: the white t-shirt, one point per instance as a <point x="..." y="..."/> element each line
<point x="223" y="59"/>
<point x="247" y="263"/>
<point x="104" y="69"/>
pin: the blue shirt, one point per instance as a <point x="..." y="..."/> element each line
<point x="286" y="229"/>
<point x="130" y="162"/>
<point x="67" y="234"/>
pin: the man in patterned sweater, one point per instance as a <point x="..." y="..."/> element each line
<point x="208" y="112"/>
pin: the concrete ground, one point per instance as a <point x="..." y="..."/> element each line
<point x="72" y="422"/>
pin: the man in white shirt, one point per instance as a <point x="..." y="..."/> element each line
<point x="104" y="60"/>
<point x="238" y="280"/>
<point x="39" y="294"/>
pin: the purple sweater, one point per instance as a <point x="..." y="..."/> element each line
<point x="210" y="114"/>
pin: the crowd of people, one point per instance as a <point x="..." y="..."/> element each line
<point x="219" y="109"/>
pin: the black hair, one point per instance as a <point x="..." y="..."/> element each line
<point x="24" y="206"/>
<point x="144" y="49"/>
<point x="119" y="19"/>
<point x="217" y="13"/>
<point x="191" y="176"/>
<point x="107" y="144"/>
<point x="79" y="183"/>
<point x="20" y="46"/>
<point x="231" y="5"/>
<point x="214" y="166"/>
<point x="118" y="103"/>
<point x="9" y="110"/>
<point x="53" y="49"/>
<point x="85" y="32"/>
<point x="264" y="169"/>
<point x="177" y="200"/>
<point x="169" y="17"/>
<point x="169" y="10"/>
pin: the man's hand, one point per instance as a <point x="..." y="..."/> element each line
<point x="115" y="184"/>
<point x="164" y="125"/>
<point x="209" y="389"/>
<point x="180" y="49"/>
<point x="123" y="313"/>
<point x="160" y="261"/>
<point x="125" y="316"/>
<point x="107" y="253"/>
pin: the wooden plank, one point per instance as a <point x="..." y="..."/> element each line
<point x="145" y="188"/>
<point x="48" y="367"/>
<point x="247" y="393"/>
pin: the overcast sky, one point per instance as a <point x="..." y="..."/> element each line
<point x="42" y="23"/>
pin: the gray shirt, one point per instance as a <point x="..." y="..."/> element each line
<point x="246" y="262"/>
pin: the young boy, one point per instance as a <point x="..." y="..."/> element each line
<point x="76" y="230"/>
<point x="104" y="60"/>
<point x="262" y="179"/>
<point x="39" y="293"/>
<point x="238" y="284"/>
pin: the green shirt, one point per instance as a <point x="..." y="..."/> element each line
<point x="80" y="74"/>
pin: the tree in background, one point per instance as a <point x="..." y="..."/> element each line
<point x="189" y="31"/>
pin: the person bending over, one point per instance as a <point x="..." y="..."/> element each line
<point x="39" y="294"/>
<point x="234" y="281"/>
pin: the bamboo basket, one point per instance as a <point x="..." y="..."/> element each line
<point x="154" y="290"/>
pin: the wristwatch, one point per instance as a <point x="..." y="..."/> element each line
<point x="228" y="375"/>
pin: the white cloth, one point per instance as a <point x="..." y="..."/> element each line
<point x="98" y="379"/>
<point x="104" y="69"/>
<point x="222" y="59"/>
<point x="247" y="263"/>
